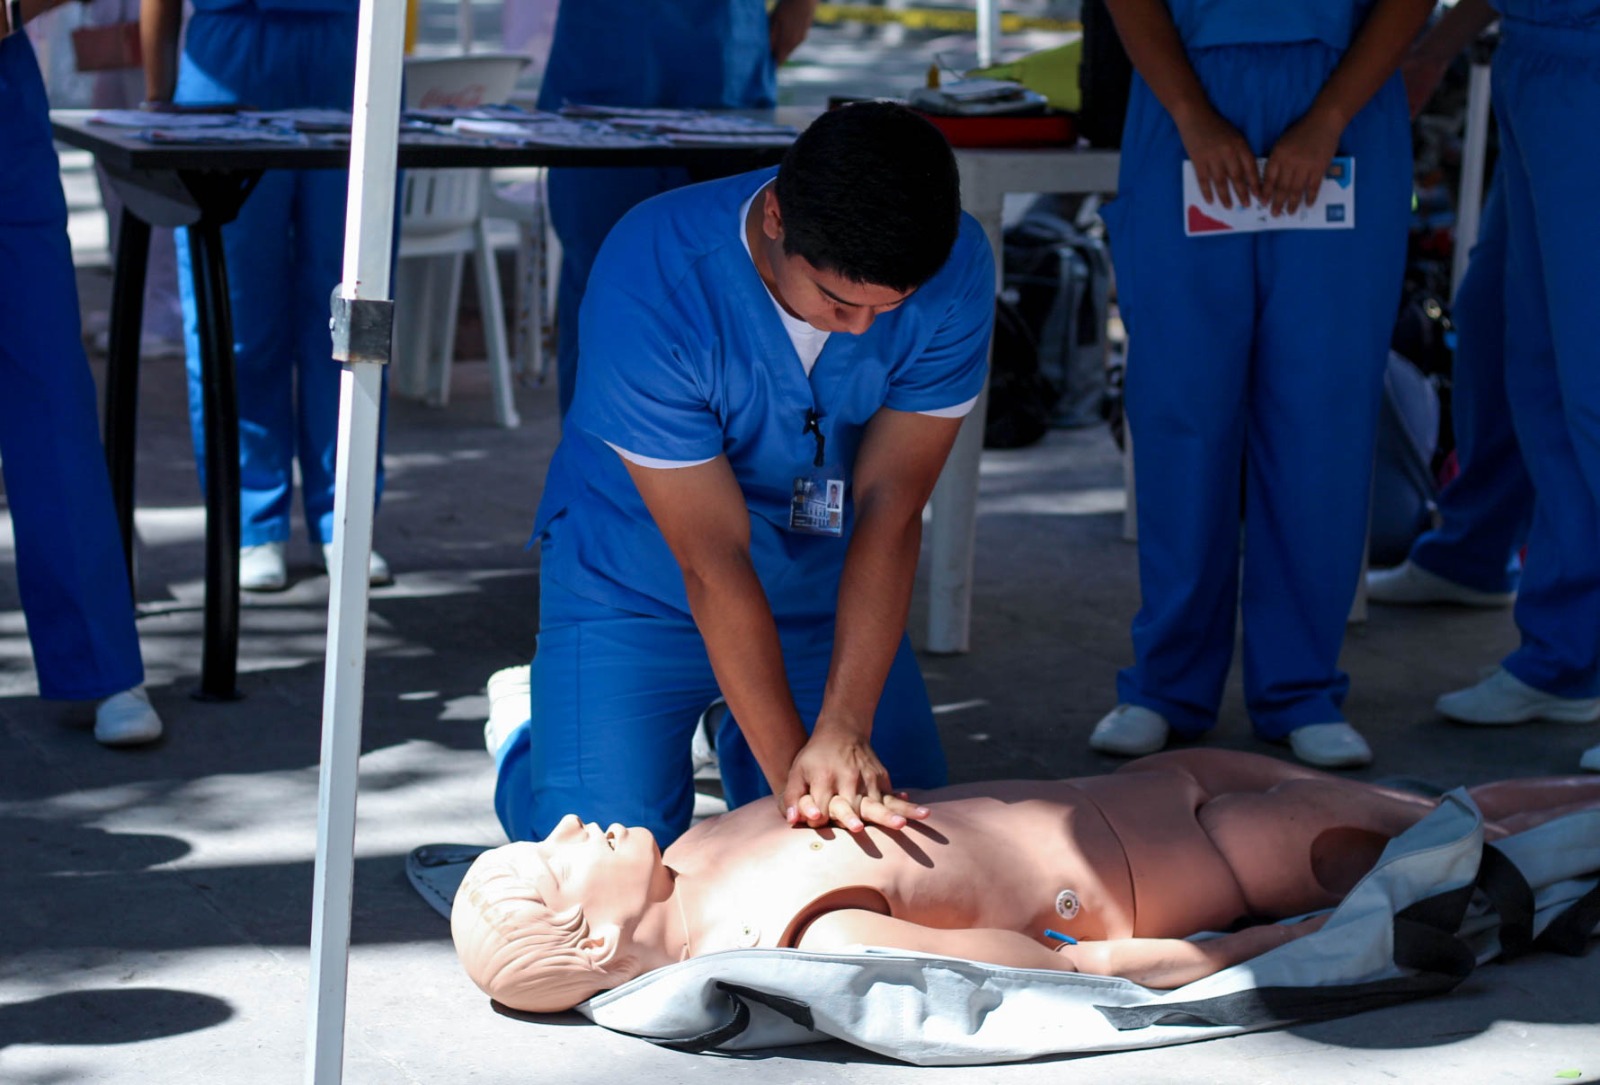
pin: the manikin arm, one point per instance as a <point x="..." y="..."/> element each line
<point x="1150" y="962"/>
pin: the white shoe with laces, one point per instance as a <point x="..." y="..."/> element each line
<point x="1330" y="746"/>
<point x="126" y="719"/>
<point x="1130" y="730"/>
<point x="1503" y="698"/>
<point x="1409" y="584"/>
<point x="378" y="573"/>
<point x="262" y="567"/>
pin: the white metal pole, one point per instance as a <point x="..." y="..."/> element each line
<point x="988" y="31"/>
<point x="464" y="24"/>
<point x="368" y="235"/>
<point x="1474" y="152"/>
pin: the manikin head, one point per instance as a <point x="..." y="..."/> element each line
<point x="542" y="926"/>
<point x="865" y="209"/>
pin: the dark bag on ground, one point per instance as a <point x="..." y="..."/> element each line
<point x="1404" y="491"/>
<point x="1050" y="331"/>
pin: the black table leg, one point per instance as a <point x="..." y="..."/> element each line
<point x="122" y="373"/>
<point x="220" y="655"/>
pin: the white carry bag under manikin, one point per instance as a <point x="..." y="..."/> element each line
<point x="1439" y="902"/>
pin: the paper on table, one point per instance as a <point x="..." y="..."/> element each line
<point x="557" y="134"/>
<point x="140" y="118"/>
<point x="1333" y="209"/>
<point x="303" y="120"/>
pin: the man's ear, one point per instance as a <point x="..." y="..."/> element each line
<point x="771" y="215"/>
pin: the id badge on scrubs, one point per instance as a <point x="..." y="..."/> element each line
<point x="817" y="507"/>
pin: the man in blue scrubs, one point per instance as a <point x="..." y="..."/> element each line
<point x="284" y="253"/>
<point x="688" y="54"/>
<point x="775" y="366"/>
<point x="1474" y="557"/>
<point x="73" y="583"/>
<point x="1546" y="98"/>
<point x="1260" y="351"/>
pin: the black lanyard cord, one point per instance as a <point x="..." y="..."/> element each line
<point x="812" y="418"/>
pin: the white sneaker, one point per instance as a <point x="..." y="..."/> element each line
<point x="1330" y="746"/>
<point x="1504" y="698"/>
<point x="126" y="719"/>
<point x="1590" y="761"/>
<point x="378" y="574"/>
<point x="262" y="567"/>
<point x="510" y="702"/>
<point x="1130" y="731"/>
<point x="1409" y="584"/>
<point x="703" y="747"/>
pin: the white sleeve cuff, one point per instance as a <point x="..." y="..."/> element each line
<point x="651" y="461"/>
<point x="960" y="410"/>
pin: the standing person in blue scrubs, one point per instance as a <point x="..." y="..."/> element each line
<point x="1546" y="99"/>
<point x="1474" y="557"/>
<point x="775" y="366"/>
<point x="72" y="580"/>
<point x="283" y="254"/>
<point x="1261" y="351"/>
<point x="689" y="54"/>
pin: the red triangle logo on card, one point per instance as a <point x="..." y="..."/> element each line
<point x="1202" y="223"/>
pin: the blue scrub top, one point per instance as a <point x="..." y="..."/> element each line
<point x="1564" y="13"/>
<point x="1205" y="23"/>
<point x="684" y="358"/>
<point x="699" y="54"/>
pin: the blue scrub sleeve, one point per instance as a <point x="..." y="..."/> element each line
<point x="952" y="368"/>
<point x="642" y="383"/>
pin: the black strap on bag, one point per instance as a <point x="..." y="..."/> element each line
<point x="1570" y="932"/>
<point x="1512" y="899"/>
<point x="740" y="998"/>
<point x="1424" y="942"/>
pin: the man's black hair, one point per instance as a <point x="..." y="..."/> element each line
<point x="870" y="192"/>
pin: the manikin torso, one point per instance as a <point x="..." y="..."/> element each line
<point x="1040" y="855"/>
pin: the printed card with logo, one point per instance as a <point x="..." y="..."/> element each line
<point x="1333" y="209"/>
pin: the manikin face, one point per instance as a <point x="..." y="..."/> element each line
<point x="824" y="299"/>
<point x="613" y="872"/>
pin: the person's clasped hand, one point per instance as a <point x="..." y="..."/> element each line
<point x="836" y="777"/>
<point x="1298" y="163"/>
<point x="1224" y="164"/>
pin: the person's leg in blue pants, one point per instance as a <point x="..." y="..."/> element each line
<point x="71" y="577"/>
<point x="615" y="699"/>
<point x="1275" y="338"/>
<point x="283" y="253"/>
<point x="1185" y="402"/>
<point x="1326" y="303"/>
<point x="1547" y="95"/>
<point x="1486" y="510"/>
<point x="584" y="205"/>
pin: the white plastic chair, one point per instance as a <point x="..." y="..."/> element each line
<point x="443" y="218"/>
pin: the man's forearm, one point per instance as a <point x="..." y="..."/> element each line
<point x="735" y="620"/>
<point x="1372" y="58"/>
<point x="1155" y="49"/>
<point x="1456" y="29"/>
<point x="874" y="602"/>
<point x="158" y="40"/>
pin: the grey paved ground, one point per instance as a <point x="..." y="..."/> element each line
<point x="156" y="903"/>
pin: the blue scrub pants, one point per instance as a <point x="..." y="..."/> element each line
<point x="1486" y="510"/>
<point x="284" y="256"/>
<point x="70" y="571"/>
<point x="615" y="700"/>
<point x="1546" y="97"/>
<point x="584" y="205"/>
<point x="1265" y="351"/>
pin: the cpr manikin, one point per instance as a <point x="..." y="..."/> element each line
<point x="1102" y="875"/>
